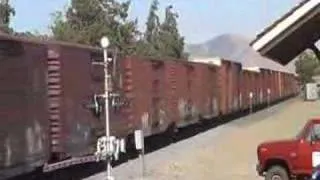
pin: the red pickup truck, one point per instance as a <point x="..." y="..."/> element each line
<point x="291" y="158"/>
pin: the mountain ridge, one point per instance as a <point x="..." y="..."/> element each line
<point x="236" y="48"/>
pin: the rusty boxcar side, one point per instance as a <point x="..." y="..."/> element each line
<point x="72" y="83"/>
<point x="23" y="113"/>
<point x="209" y="90"/>
<point x="144" y="83"/>
<point x="244" y="90"/>
<point x="235" y="75"/>
<point x="182" y="89"/>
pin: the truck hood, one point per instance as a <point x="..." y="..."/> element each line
<point x="284" y="142"/>
<point x="278" y="147"/>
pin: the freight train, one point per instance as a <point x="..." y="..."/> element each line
<point x="51" y="114"/>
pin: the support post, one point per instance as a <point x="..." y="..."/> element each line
<point x="139" y="142"/>
<point x="251" y="102"/>
<point x="105" y="55"/>
<point x="109" y="143"/>
<point x="269" y="93"/>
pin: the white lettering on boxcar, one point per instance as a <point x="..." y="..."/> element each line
<point x="30" y="139"/>
<point x="34" y="139"/>
<point x="235" y="103"/>
<point x="215" y="106"/>
<point x="208" y="105"/>
<point x="80" y="133"/>
<point x="145" y="120"/>
<point x="8" y="151"/>
<point x="194" y="111"/>
<point x="162" y="117"/>
<point x="182" y="107"/>
<point x="39" y="136"/>
<point x="240" y="100"/>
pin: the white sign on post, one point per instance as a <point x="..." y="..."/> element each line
<point x="138" y="137"/>
<point x="122" y="145"/>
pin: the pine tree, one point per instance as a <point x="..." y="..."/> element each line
<point x="172" y="44"/>
<point x="150" y="45"/>
<point x="6" y="12"/>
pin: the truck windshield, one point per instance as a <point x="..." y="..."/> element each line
<point x="304" y="131"/>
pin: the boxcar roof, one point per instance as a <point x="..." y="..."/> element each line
<point x="4" y="36"/>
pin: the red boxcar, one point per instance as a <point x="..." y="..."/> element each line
<point x="229" y="86"/>
<point x="73" y="83"/>
<point x="23" y="112"/>
<point x="208" y="90"/>
<point x="235" y="75"/>
<point x="250" y="94"/>
<point x="71" y="87"/>
<point x="49" y="93"/>
<point x="144" y="85"/>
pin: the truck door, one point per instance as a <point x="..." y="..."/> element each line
<point x="309" y="150"/>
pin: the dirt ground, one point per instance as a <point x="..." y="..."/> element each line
<point x="227" y="152"/>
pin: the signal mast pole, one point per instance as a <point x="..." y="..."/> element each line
<point x="104" y="44"/>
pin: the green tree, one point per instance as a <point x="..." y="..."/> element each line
<point x="86" y="21"/>
<point x="306" y="66"/>
<point x="6" y="12"/>
<point x="162" y="39"/>
<point x="152" y="29"/>
<point x="149" y="45"/>
<point x="172" y="44"/>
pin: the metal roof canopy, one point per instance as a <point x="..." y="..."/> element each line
<point x="293" y="33"/>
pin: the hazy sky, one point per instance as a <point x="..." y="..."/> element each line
<point x="199" y="20"/>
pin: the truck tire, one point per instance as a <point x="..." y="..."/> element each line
<point x="277" y="173"/>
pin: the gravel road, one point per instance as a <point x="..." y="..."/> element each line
<point x="225" y="152"/>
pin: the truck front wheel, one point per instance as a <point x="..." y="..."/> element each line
<point x="277" y="173"/>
